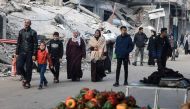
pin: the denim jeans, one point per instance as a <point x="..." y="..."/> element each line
<point x="42" y="69"/>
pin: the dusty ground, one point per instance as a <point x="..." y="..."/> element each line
<point x="13" y="96"/>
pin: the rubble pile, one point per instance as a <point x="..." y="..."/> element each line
<point x="65" y="19"/>
<point x="5" y="70"/>
<point x="51" y="19"/>
<point x="134" y="17"/>
<point x="6" y="53"/>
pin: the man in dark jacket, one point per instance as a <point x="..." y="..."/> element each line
<point x="26" y="50"/>
<point x="56" y="53"/>
<point x="123" y="47"/>
<point x="140" y="40"/>
<point x="162" y="49"/>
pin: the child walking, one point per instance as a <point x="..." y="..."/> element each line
<point x="42" y="58"/>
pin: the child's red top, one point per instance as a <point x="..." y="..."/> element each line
<point x="43" y="57"/>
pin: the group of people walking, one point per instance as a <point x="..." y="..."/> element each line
<point x="27" y="51"/>
<point x="101" y="53"/>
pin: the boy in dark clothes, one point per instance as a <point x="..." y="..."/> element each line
<point x="162" y="49"/>
<point x="56" y="53"/>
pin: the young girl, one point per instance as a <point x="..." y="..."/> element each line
<point x="42" y="58"/>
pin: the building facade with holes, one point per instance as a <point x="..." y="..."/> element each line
<point x="102" y="8"/>
<point x="176" y="17"/>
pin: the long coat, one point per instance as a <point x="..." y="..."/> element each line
<point x="74" y="55"/>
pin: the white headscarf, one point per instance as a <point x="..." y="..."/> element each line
<point x="78" y="39"/>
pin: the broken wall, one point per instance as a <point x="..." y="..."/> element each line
<point x="100" y="6"/>
<point x="2" y="25"/>
<point x="54" y="2"/>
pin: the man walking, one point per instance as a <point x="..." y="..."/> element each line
<point x="123" y="47"/>
<point x="27" y="45"/>
<point x="56" y="54"/>
<point x="162" y="49"/>
<point x="140" y="40"/>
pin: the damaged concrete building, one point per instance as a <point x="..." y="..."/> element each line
<point x="176" y="17"/>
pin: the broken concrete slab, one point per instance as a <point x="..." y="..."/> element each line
<point x="88" y="12"/>
<point x="16" y="6"/>
<point x="27" y="7"/>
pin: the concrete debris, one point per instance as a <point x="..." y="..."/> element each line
<point x="6" y="52"/>
<point x="66" y="3"/>
<point x="49" y="18"/>
<point x="5" y="70"/>
<point x="59" y="18"/>
<point x="66" y="19"/>
<point x="88" y="12"/>
<point x="16" y="6"/>
<point x="27" y="7"/>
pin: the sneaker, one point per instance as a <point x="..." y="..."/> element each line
<point x="54" y="80"/>
<point x="57" y="81"/>
<point x="108" y="72"/>
<point x="40" y="87"/>
<point x="45" y="84"/>
<point x="134" y="63"/>
<point x="141" y="64"/>
<point x="116" y="85"/>
<point x="125" y="83"/>
<point x="27" y="86"/>
<point x="78" y="79"/>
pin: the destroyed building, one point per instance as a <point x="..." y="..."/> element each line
<point x="176" y="17"/>
<point x="65" y="16"/>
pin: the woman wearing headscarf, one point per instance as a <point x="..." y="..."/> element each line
<point x="150" y="49"/>
<point x="97" y="45"/>
<point x="75" y="51"/>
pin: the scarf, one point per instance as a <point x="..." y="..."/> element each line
<point x="77" y="40"/>
<point x="100" y="44"/>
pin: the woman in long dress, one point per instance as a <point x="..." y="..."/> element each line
<point x="98" y="51"/>
<point x="75" y="51"/>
